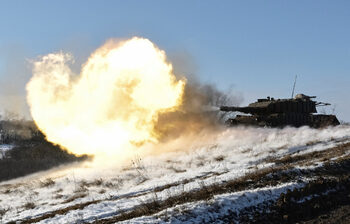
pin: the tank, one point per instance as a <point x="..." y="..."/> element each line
<point x="269" y="112"/>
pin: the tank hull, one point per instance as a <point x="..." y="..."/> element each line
<point x="285" y="119"/>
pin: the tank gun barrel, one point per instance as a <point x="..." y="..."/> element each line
<point x="247" y="110"/>
<point x="226" y="108"/>
<point x="322" y="104"/>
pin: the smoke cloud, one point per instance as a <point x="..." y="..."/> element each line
<point x="199" y="111"/>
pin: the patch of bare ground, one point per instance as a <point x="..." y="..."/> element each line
<point x="283" y="171"/>
<point x="340" y="215"/>
<point x="320" y="201"/>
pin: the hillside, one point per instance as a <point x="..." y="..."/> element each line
<point x="243" y="175"/>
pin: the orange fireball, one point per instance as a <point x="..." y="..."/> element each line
<point x="114" y="102"/>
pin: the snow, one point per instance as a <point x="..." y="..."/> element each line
<point x="184" y="166"/>
<point x="219" y="207"/>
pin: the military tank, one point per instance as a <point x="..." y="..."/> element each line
<point x="269" y="112"/>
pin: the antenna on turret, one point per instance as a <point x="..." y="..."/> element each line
<point x="295" y="81"/>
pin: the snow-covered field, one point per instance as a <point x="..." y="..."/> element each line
<point x="85" y="192"/>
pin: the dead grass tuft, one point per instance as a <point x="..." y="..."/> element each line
<point x="84" y="184"/>
<point x="176" y="170"/>
<point x="97" y="182"/>
<point x="7" y="191"/>
<point x="219" y="158"/>
<point x="109" y="184"/>
<point x="81" y="189"/>
<point x="141" y="175"/>
<point x="200" y="163"/>
<point x="29" y="205"/>
<point x="59" y="190"/>
<point x="58" y="196"/>
<point x="47" y="183"/>
<point x="247" y="150"/>
<point x="3" y="211"/>
<point x="74" y="197"/>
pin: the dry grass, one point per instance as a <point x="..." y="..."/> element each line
<point x="81" y="189"/>
<point x="247" y="150"/>
<point x="47" y="183"/>
<point x="219" y="158"/>
<point x="200" y="163"/>
<point x="7" y="191"/>
<point x="74" y="197"/>
<point x="108" y="184"/>
<point x="58" y="212"/>
<point x="3" y="211"/>
<point x="141" y="170"/>
<point x="142" y="179"/>
<point x="176" y="170"/>
<point x="59" y="190"/>
<point x="58" y="196"/>
<point x="291" y="207"/>
<point x="310" y="143"/>
<point x="29" y="205"/>
<point x="97" y="182"/>
<point x="83" y="184"/>
<point x="317" y="155"/>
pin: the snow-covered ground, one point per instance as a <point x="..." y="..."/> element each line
<point x="202" y="211"/>
<point x="206" y="160"/>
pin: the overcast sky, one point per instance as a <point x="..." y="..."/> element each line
<point x="255" y="46"/>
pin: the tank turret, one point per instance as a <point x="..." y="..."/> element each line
<point x="297" y="111"/>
